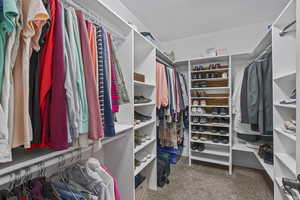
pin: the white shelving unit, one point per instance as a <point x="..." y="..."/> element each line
<point x="216" y="153"/>
<point x="145" y="63"/>
<point x="284" y="81"/>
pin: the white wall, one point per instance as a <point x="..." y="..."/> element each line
<point x="242" y="39"/>
<point x="118" y="7"/>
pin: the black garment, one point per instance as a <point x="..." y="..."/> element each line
<point x="34" y="83"/>
<point x="244" y="98"/>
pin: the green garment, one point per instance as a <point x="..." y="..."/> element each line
<point x="7" y="24"/>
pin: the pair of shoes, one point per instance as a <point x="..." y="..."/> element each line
<point x="198" y="110"/>
<point x="141" y="117"/>
<point x="203" y="120"/>
<point x="223" y="131"/>
<point x="198" y="146"/>
<point x="195" y="120"/>
<point x="203" y="84"/>
<point x="266" y="152"/>
<point x="195" y="103"/>
<point x="218" y="139"/>
<point x="141" y="99"/>
<point x="197" y="67"/>
<point x="195" y="137"/>
<point x="210" y="75"/>
<point x="290" y="125"/>
<point x="219" y="111"/>
<point x="203" y="137"/>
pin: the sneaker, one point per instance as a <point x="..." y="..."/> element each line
<point x="194" y="110"/>
<point x="196" y="85"/>
<point x="195" y="119"/>
<point x="224" y="75"/>
<point x="194" y="146"/>
<point x="208" y="75"/>
<point x="215" y="139"/>
<point x="214" y="130"/>
<point x="194" y="128"/>
<point x="201" y="76"/>
<point x="203" y="120"/>
<point x="203" y="138"/>
<point x="203" y="84"/>
<point x="215" y="111"/>
<point x="201" y="110"/>
<point x="224" y="141"/>
<point x="201" y="147"/>
<point x="223" y="111"/>
<point x="195" y="137"/>
<point x="201" y="129"/>
<point x="290" y="125"/>
<point x="195" y="103"/>
<point x="223" y="131"/>
<point x="215" y="120"/>
<point x="203" y="102"/>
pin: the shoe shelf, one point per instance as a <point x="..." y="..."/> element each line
<point x="210" y="70"/>
<point x="212" y="124"/>
<point x="209" y="142"/>
<point x="210" y="133"/>
<point x="288" y="135"/>
<point x="211" y="88"/>
<point x="285" y="80"/>
<point x="210" y="160"/>
<point x="213" y="152"/>
<point x="211" y="106"/>
<point x="210" y="79"/>
<point x="144" y="145"/>
<point x="287" y="161"/>
<point x="143" y="165"/>
<point x="215" y="99"/>
<point x="209" y="98"/>
<point x="209" y="115"/>
<point x="143" y="124"/>
<point x="144" y="104"/>
<point x="143" y="84"/>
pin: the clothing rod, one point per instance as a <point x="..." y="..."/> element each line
<point x="163" y="62"/>
<point x="285" y="29"/>
<point x="92" y="17"/>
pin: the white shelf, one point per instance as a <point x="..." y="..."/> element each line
<point x="211" y="88"/>
<point x="143" y="124"/>
<point x="143" y="145"/>
<point x="290" y="106"/>
<point x="210" y="115"/>
<point x="143" y="84"/>
<point x="210" y="79"/>
<point x="268" y="168"/>
<point x="144" y="165"/>
<point x="210" y="133"/>
<point x="144" y="104"/>
<point x="287" y="161"/>
<point x="288" y="135"/>
<point x="242" y="147"/>
<point x="212" y="106"/>
<point x="212" y="124"/>
<point x="210" y="160"/>
<point x="209" y="97"/>
<point x="213" y="152"/>
<point x="286" y="77"/>
<point x="211" y="70"/>
<point x="210" y="142"/>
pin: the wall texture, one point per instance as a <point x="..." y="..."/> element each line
<point x="237" y="40"/>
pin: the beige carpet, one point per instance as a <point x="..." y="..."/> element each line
<point x="207" y="182"/>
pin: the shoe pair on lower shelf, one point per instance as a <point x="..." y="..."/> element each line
<point x="219" y="111"/>
<point x="140" y="138"/>
<point x="290" y="126"/>
<point x="141" y="99"/>
<point x="138" y="118"/>
<point x="142" y="158"/>
<point x="198" y="146"/>
<point x="198" y="110"/>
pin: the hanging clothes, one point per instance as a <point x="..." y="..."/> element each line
<point x="10" y="24"/>
<point x="161" y="86"/>
<point x="34" y="17"/>
<point x="95" y="122"/>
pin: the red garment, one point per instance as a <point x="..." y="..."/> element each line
<point x="92" y="43"/>
<point x="46" y="77"/>
<point x="58" y="106"/>
<point x="114" y="89"/>
<point x="95" y="122"/>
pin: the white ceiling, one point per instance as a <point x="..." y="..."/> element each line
<point x="174" y="19"/>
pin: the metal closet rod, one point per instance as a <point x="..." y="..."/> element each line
<point x="285" y="29"/>
<point x="163" y="62"/>
<point x="92" y="17"/>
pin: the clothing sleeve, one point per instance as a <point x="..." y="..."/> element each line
<point x="253" y="94"/>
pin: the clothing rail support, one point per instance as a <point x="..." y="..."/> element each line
<point x="285" y="29"/>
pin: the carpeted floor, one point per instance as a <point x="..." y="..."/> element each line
<point x="206" y="182"/>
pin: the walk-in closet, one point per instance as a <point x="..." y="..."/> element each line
<point x="149" y="100"/>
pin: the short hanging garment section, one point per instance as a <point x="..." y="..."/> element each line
<point x="95" y="122"/>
